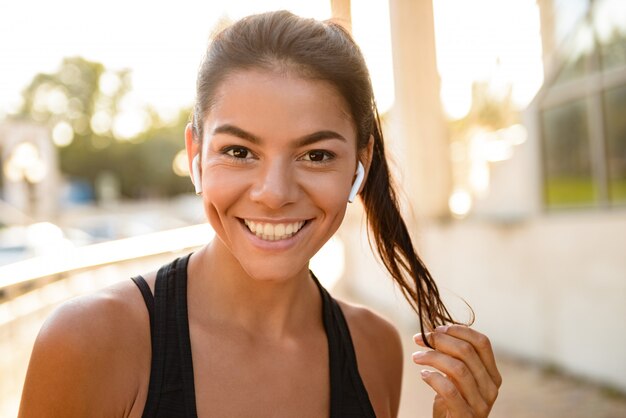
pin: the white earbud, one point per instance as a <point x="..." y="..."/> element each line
<point x="196" y="178"/>
<point x="360" y="173"/>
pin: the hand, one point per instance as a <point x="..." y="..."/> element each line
<point x="468" y="382"/>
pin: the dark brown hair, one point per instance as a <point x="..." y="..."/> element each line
<point x="281" y="41"/>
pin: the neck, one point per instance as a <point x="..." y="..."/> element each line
<point x="222" y="292"/>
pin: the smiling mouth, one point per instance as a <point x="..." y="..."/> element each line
<point x="274" y="231"/>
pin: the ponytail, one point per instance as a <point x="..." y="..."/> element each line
<point x="393" y="242"/>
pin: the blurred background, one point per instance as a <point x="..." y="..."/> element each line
<point x="506" y="122"/>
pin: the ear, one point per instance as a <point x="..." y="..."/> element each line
<point x="365" y="156"/>
<point x="193" y="158"/>
<point x="192" y="145"/>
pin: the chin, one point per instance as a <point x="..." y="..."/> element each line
<point x="271" y="270"/>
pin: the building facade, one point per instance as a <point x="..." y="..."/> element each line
<point x="541" y="258"/>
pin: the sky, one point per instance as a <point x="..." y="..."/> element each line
<point x="162" y="42"/>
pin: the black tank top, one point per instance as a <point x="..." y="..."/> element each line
<point x="171" y="391"/>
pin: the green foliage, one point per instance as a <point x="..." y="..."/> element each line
<point x="145" y="165"/>
<point x="87" y="97"/>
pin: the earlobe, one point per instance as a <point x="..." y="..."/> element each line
<point x="196" y="178"/>
<point x="360" y="173"/>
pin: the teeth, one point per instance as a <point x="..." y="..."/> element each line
<point x="273" y="232"/>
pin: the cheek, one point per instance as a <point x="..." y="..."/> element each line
<point x="222" y="189"/>
<point x="329" y="193"/>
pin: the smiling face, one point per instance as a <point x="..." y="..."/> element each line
<point x="278" y="161"/>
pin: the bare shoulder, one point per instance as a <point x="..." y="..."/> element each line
<point x="380" y="334"/>
<point x="379" y="355"/>
<point x="91" y="354"/>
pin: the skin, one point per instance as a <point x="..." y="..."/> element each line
<point x="467" y="380"/>
<point x="276" y="148"/>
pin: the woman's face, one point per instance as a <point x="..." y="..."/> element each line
<point x="278" y="161"/>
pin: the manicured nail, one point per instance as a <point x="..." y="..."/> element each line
<point x="442" y="328"/>
<point x="425" y="374"/>
<point x="418" y="338"/>
<point x="418" y="354"/>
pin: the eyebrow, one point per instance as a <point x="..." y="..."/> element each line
<point x="301" y="142"/>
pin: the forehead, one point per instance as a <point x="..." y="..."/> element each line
<point x="278" y="104"/>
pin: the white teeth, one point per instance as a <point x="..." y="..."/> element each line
<point x="273" y="232"/>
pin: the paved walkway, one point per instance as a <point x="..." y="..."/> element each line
<point x="528" y="391"/>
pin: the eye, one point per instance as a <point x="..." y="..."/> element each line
<point x="239" y="153"/>
<point x="317" y="156"/>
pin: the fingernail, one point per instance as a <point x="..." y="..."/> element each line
<point x="425" y="374"/>
<point x="417" y="355"/>
<point x="442" y="328"/>
<point x="418" y="338"/>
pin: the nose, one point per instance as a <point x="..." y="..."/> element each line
<point x="275" y="185"/>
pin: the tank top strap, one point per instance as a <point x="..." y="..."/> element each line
<point x="148" y="298"/>
<point x="177" y="280"/>
<point x="171" y="388"/>
<point x="348" y="395"/>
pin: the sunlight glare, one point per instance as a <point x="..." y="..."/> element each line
<point x="56" y="101"/>
<point x="101" y="122"/>
<point x="62" y="134"/>
<point x="329" y="262"/>
<point x="456" y="96"/>
<point x="132" y="118"/>
<point x="180" y="165"/>
<point x="109" y="83"/>
<point x="460" y="203"/>
<point x="236" y="9"/>
<point x="487" y="40"/>
<point x="372" y="32"/>
<point x="25" y="163"/>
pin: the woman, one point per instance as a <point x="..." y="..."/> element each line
<point x="284" y="133"/>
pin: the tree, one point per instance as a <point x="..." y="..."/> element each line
<point x="81" y="105"/>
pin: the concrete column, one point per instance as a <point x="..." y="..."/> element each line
<point x="548" y="43"/>
<point x="416" y="118"/>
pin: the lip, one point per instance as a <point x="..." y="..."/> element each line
<point x="280" y="245"/>
<point x="275" y="221"/>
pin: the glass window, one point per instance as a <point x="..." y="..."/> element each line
<point x="567" y="159"/>
<point x="615" y="120"/>
<point x="577" y="52"/>
<point x="567" y="13"/>
<point x="610" y="26"/>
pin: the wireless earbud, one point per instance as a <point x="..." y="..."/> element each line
<point x="196" y="178"/>
<point x="360" y="173"/>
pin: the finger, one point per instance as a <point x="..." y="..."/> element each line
<point x="439" y="407"/>
<point x="481" y="344"/>
<point x="455" y="403"/>
<point x="465" y="352"/>
<point x="459" y="373"/>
